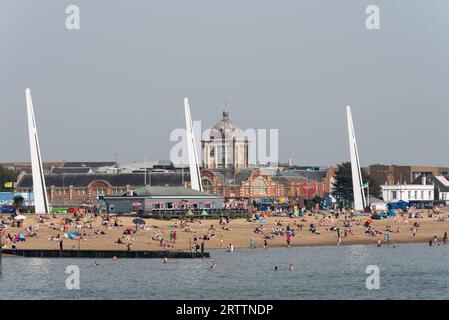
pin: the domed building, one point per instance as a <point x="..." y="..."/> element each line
<point x="226" y="147"/>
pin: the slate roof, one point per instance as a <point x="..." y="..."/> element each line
<point x="116" y="180"/>
<point x="228" y="176"/>
<point x="71" y="170"/>
<point x="313" y="175"/>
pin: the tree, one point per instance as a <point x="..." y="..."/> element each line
<point x="6" y="175"/>
<point x="343" y="190"/>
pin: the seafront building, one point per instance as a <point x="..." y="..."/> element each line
<point x="225" y="171"/>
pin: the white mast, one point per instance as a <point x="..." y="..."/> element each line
<point x="195" y="176"/>
<point x="357" y="182"/>
<point x="39" y="188"/>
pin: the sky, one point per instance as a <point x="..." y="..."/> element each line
<point x="116" y="85"/>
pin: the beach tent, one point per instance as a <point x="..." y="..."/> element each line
<point x="398" y="205"/>
<point x="376" y="217"/>
<point x="204" y="213"/>
<point x="70" y="235"/>
<point x="20" y="217"/>
<point x="391" y="213"/>
<point x="189" y="213"/>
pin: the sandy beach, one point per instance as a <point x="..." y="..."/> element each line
<point x="101" y="236"/>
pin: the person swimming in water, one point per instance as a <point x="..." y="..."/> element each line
<point x="165" y="259"/>
<point x="291" y="267"/>
<point x="213" y="266"/>
<point x="275" y="268"/>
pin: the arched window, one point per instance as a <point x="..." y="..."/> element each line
<point x="259" y="186"/>
<point x="207" y="185"/>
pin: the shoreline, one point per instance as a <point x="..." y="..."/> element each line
<point x="212" y="249"/>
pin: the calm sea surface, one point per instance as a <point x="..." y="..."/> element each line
<point x="407" y="271"/>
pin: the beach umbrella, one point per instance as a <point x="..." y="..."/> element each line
<point x="139" y="221"/>
<point x="20" y="217"/>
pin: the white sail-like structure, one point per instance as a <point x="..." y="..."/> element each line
<point x="39" y="188"/>
<point x="195" y="176"/>
<point x="357" y="182"/>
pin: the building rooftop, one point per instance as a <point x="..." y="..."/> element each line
<point x="119" y="180"/>
<point x="89" y="164"/>
<point x="168" y="191"/>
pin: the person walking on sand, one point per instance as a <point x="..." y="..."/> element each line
<point x="289" y="239"/>
<point x="174" y="236"/>
<point x="251" y="243"/>
<point x="61" y="244"/>
<point x="265" y="244"/>
<point x="414" y="231"/>
<point x="221" y="241"/>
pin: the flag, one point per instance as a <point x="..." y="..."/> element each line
<point x="8" y="184"/>
<point x="365" y="185"/>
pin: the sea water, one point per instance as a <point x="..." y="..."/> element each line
<point x="407" y="271"/>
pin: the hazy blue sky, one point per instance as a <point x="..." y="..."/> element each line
<point x="117" y="84"/>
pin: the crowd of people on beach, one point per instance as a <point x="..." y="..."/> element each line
<point x="80" y="227"/>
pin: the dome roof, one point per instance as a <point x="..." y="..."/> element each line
<point x="225" y="123"/>
<point x="226" y="128"/>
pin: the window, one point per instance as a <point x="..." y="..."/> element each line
<point x="416" y="194"/>
<point x="207" y="185"/>
<point x="117" y="191"/>
<point x="99" y="192"/>
<point x="430" y="195"/>
<point x="81" y="192"/>
<point x="394" y="195"/>
<point x="61" y="191"/>
<point x="409" y="194"/>
<point x="422" y="195"/>
<point x="259" y="186"/>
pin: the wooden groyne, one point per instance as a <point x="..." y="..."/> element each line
<point x="99" y="254"/>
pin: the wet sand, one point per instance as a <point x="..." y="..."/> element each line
<point x="240" y="233"/>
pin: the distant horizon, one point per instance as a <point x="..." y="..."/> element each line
<point x="281" y="162"/>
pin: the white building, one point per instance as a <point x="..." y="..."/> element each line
<point x="441" y="188"/>
<point x="408" y="192"/>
